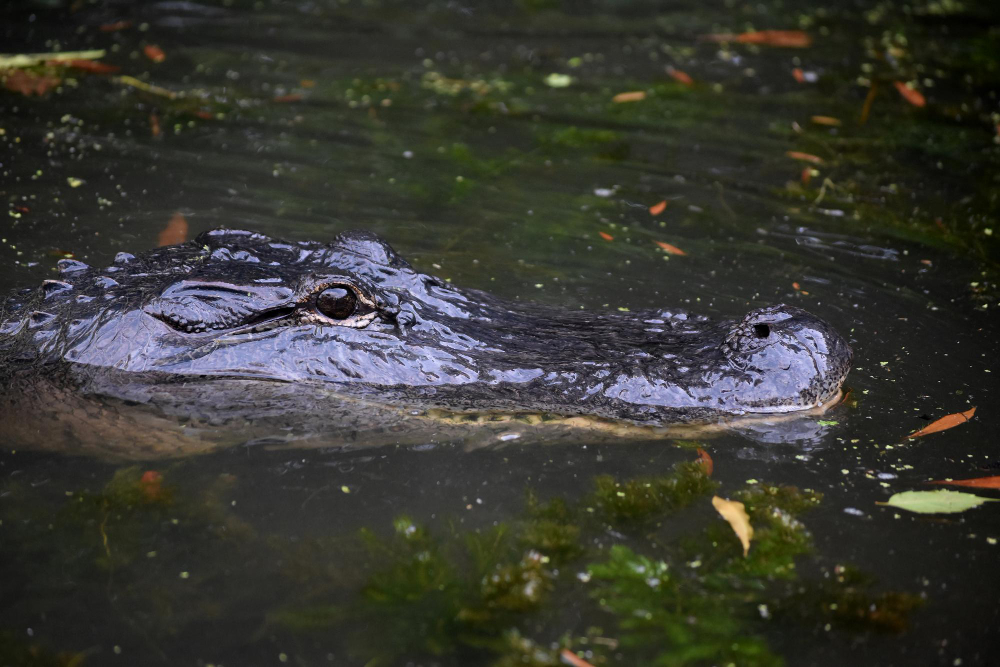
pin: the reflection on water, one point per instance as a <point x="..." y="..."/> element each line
<point x="486" y="141"/>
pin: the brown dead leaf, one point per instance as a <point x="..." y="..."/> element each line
<point x="633" y="96"/>
<point x="945" y="423"/>
<point x="175" y="232"/>
<point x="657" y="209"/>
<point x="572" y="659"/>
<point x="115" y="27"/>
<point x="799" y="75"/>
<point x="911" y="95"/>
<point x="736" y="514"/>
<point x="826" y="120"/>
<point x="154" y="53"/>
<point x="782" y="38"/>
<point x="866" y="108"/>
<point x="680" y="76"/>
<point x="28" y="83"/>
<point x="91" y="66"/>
<point x="671" y="249"/>
<point x="805" y="157"/>
<point x="977" y="482"/>
<point x="706" y="461"/>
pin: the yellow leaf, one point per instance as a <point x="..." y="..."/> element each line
<point x="734" y="512"/>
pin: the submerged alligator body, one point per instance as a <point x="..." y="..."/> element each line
<point x="235" y="325"/>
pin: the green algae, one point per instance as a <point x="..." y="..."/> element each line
<point x="692" y="600"/>
<point x="648" y="497"/>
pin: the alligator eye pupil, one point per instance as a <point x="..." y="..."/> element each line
<point x="761" y="330"/>
<point x="337" y="303"/>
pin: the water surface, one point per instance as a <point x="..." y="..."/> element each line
<point x="484" y="142"/>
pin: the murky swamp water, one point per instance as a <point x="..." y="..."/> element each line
<point x="487" y="144"/>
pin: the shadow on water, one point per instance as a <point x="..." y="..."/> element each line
<point x="485" y="142"/>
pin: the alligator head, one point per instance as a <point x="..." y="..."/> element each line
<point x="353" y="313"/>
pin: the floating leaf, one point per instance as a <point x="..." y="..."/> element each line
<point x="154" y="124"/>
<point x="657" y="209"/>
<point x="146" y="87"/>
<point x="293" y="97"/>
<point x="32" y="59"/>
<point x="606" y="236"/>
<point x="154" y="53"/>
<point x="572" y="659"/>
<point x="942" y="501"/>
<point x="783" y="38"/>
<point x="826" y="120"/>
<point x="806" y="157"/>
<point x="556" y="80"/>
<point x="977" y="482"/>
<point x="175" y="232"/>
<point x="911" y="95"/>
<point x="91" y="66"/>
<point x="115" y="27"/>
<point x="680" y="77"/>
<point x="706" y="461"/>
<point x="671" y="249"/>
<point x="943" y="424"/>
<point x="633" y="96"/>
<point x="29" y="83"/>
<point x="735" y="513"/>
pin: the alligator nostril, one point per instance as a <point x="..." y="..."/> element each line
<point x="761" y="330"/>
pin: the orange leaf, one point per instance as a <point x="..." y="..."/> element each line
<point x="795" y="285"/>
<point x="307" y="83"/>
<point x="204" y="115"/>
<point x="657" y="209"/>
<point x="633" y="96"/>
<point x="680" y="77"/>
<point x="606" y="236"/>
<point x="911" y="95"/>
<point x="154" y="128"/>
<point x="115" y="27"/>
<point x="154" y="53"/>
<point x="799" y="75"/>
<point x="978" y="482"/>
<point x="945" y="423"/>
<point x="807" y="175"/>
<point x="573" y="660"/>
<point x="826" y="120"/>
<point x="807" y="157"/>
<point x="175" y="232"/>
<point x="294" y="97"/>
<point x="86" y="66"/>
<point x="671" y="249"/>
<point x="784" y="38"/>
<point x="706" y="461"/>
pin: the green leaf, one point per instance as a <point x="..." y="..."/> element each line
<point x="941" y="501"/>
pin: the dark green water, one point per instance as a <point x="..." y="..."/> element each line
<point x="440" y="128"/>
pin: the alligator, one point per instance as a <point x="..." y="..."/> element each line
<point x="236" y="328"/>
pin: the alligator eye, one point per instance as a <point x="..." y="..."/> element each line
<point x="337" y="303"/>
<point x="761" y="330"/>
